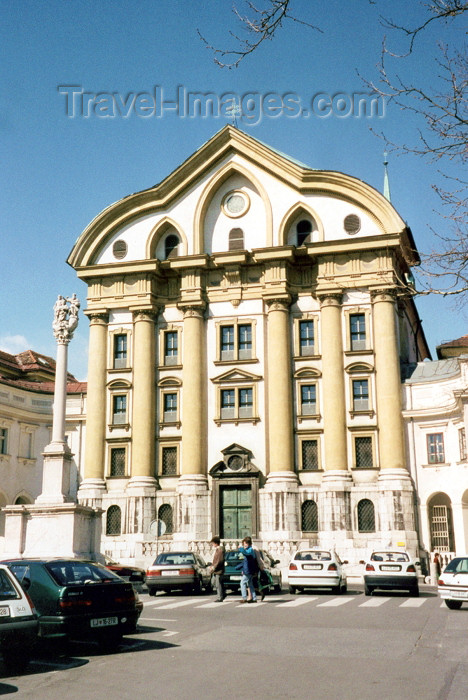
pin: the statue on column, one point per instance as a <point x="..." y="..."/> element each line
<point x="65" y="317"/>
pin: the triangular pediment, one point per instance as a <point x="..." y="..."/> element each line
<point x="235" y="376"/>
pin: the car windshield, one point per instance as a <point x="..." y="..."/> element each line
<point x="459" y="565"/>
<point x="234" y="557"/>
<point x="389" y="556"/>
<point x="67" y="573"/>
<point x="315" y="555"/>
<point x="7" y="589"/>
<point x="175" y="558"/>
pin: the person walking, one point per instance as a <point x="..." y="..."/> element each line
<point x="217" y="568"/>
<point x="249" y="569"/>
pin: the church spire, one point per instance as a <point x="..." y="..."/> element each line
<point x="386" y="185"/>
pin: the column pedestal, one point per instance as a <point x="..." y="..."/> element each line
<point x="279" y="507"/>
<point x="192" y="510"/>
<point x="335" y="521"/>
<point x="397" y="510"/>
<point x="56" y="474"/>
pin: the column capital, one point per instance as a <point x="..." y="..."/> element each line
<point x="389" y="295"/>
<point x="330" y="298"/>
<point x="97" y="318"/>
<point x="145" y="314"/>
<point x="278" y="303"/>
<point x="193" y="310"/>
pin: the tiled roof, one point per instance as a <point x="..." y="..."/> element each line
<point x="458" y="343"/>
<point x="33" y="371"/>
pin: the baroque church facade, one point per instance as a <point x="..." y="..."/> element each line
<point x="250" y="321"/>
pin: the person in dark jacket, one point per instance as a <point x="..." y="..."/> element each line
<point x="249" y="569"/>
<point x="217" y="568"/>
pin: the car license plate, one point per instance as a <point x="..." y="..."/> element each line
<point x="389" y="567"/>
<point x="460" y="594"/>
<point x="170" y="573"/>
<point x="235" y="578"/>
<point x="4" y="611"/>
<point x="311" y="566"/>
<point x="104" y="621"/>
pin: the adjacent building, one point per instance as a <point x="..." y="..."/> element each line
<point x="250" y="320"/>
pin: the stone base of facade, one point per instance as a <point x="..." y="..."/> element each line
<point x="279" y="507"/>
<point x="68" y="530"/>
<point x="193" y="511"/>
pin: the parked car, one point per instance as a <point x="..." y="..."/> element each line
<point x="178" y="570"/>
<point x="316" y="568"/>
<point x="390" y="570"/>
<point x="18" y="622"/>
<point x="133" y="574"/>
<point x="77" y="599"/>
<point x="233" y="570"/>
<point x="453" y="583"/>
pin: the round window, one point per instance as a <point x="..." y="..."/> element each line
<point x="352" y="223"/>
<point x="235" y="463"/>
<point x="235" y="203"/>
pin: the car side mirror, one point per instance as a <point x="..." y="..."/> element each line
<point x="26" y="583"/>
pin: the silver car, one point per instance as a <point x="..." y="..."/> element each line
<point x="178" y="570"/>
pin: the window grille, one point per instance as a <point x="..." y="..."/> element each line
<point x="169" y="461"/>
<point x="117" y="461"/>
<point x="165" y="515"/>
<point x="309" y="516"/>
<point x="310" y="454"/>
<point x="440" y="528"/>
<point x="366" y="516"/>
<point x="363" y="451"/>
<point x="114" y="521"/>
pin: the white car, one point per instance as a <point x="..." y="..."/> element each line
<point x="18" y="622"/>
<point x="453" y="583"/>
<point x="391" y="570"/>
<point x="316" y="568"/>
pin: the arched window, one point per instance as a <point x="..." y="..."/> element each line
<point x="366" y="516"/>
<point x="309" y="516"/>
<point x="170" y="246"/>
<point x="22" y="501"/>
<point x="165" y="515"/>
<point x="114" y="521"/>
<point x="303" y="231"/>
<point x="236" y="239"/>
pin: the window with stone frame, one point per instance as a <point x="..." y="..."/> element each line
<point x="306" y="338"/>
<point x="170" y="407"/>
<point x="235" y="342"/>
<point x="120" y="350"/>
<point x="117" y="461"/>
<point x="165" y="515"/>
<point x="308" y="405"/>
<point x="171" y="347"/>
<point x="309" y="516"/>
<point x="114" y="521"/>
<point x="366" y="516"/>
<point x="363" y="452"/>
<point x="119" y="409"/>
<point x="236" y="403"/>
<point x="3" y="441"/>
<point x="169" y="465"/>
<point x="309" y="454"/>
<point x="360" y="394"/>
<point x="357" y="327"/>
<point x="462" y="443"/>
<point x="435" y="448"/>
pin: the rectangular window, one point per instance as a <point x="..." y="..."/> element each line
<point x="170" y="408"/>
<point x="309" y="455"/>
<point x="171" y="348"/>
<point x="120" y="350"/>
<point x="169" y="461"/>
<point x="363" y="452"/>
<point x="117" y="461"/>
<point x="245" y="403"/>
<point x="228" y="403"/>
<point x="26" y="445"/>
<point x="360" y="395"/>
<point x="3" y="441"/>
<point x="358" y="331"/>
<point x="306" y="337"/>
<point x="245" y="341"/>
<point x="119" y="409"/>
<point x="308" y="399"/>
<point x="435" y="448"/>
<point x="462" y="443"/>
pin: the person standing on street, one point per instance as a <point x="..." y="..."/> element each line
<point x="217" y="568"/>
<point x="249" y="569"/>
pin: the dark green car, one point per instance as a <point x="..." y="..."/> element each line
<point x="233" y="570"/>
<point x="77" y="599"/>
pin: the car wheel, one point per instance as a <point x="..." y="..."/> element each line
<point x="197" y="587"/>
<point x="453" y="604"/>
<point x="151" y="591"/>
<point x="414" y="591"/>
<point x="336" y="590"/>
<point x="368" y="590"/>
<point x="277" y="588"/>
<point x="344" y="588"/>
<point x="15" y="659"/>
<point x="293" y="590"/>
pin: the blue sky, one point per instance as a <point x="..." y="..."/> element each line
<point x="60" y="170"/>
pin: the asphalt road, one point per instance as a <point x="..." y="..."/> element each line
<point x="311" y="646"/>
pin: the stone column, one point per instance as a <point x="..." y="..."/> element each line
<point x="397" y="507"/>
<point x="93" y="483"/>
<point x="279" y="498"/>
<point x="192" y="488"/>
<point x="335" y="496"/>
<point x="144" y="402"/>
